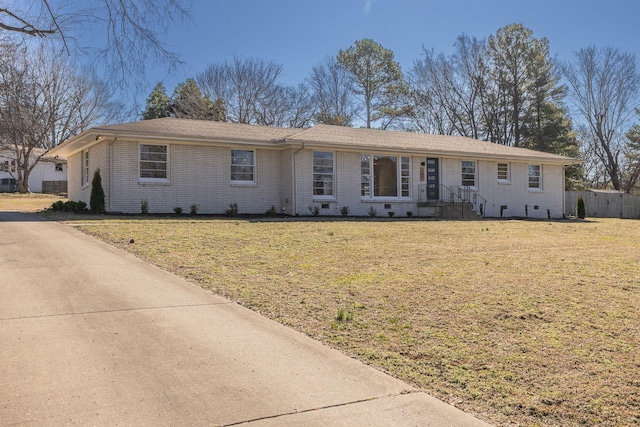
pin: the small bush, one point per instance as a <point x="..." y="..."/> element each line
<point x="97" y="202"/>
<point x="232" y="210"/>
<point x="271" y="211"/>
<point x="372" y="212"/>
<point x="315" y="210"/>
<point x="409" y="214"/>
<point x="69" y="206"/>
<point x="391" y="214"/>
<point x="581" y="208"/>
<point x="194" y="209"/>
<point x="177" y="210"/>
<point x="80" y="206"/>
<point x="144" y="206"/>
<point x="57" y="206"/>
<point x="344" y="211"/>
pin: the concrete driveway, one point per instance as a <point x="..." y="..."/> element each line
<point x="90" y="335"/>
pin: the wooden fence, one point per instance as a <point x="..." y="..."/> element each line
<point x="54" y="187"/>
<point x="604" y="204"/>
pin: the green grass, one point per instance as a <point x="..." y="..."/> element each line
<point x="520" y="322"/>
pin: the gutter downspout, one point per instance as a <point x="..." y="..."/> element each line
<point x="293" y="176"/>
<point x="111" y="171"/>
<point x="564" y="191"/>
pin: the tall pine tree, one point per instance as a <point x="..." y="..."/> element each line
<point x="158" y="104"/>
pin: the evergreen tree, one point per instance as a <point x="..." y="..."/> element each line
<point x="189" y="102"/>
<point x="375" y="75"/>
<point x="158" y="104"/>
<point x="97" y="200"/>
<point x="516" y="60"/>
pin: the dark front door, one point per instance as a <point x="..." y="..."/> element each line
<point x="433" y="179"/>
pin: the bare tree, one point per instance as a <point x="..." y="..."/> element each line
<point x="248" y="88"/>
<point x="604" y="88"/>
<point x="133" y="31"/>
<point x="452" y="92"/>
<point x="44" y="101"/>
<point x="332" y="93"/>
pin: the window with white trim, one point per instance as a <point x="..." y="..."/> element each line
<point x="535" y="177"/>
<point x="385" y="176"/>
<point x="243" y="166"/>
<point x="85" y="167"/>
<point x="504" y="172"/>
<point x="323" y="174"/>
<point x="59" y="167"/>
<point x="469" y="173"/>
<point x="154" y="162"/>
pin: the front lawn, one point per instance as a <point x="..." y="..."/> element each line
<point x="30" y="202"/>
<point x="519" y="322"/>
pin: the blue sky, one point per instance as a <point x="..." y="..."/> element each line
<point x="299" y="33"/>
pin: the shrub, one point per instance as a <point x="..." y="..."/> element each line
<point x="409" y="214"/>
<point x="194" y="209"/>
<point x="144" y="206"/>
<point x="581" y="208"/>
<point x="57" y="206"/>
<point x="177" y="210"/>
<point x="271" y="211"/>
<point x="315" y="210"/>
<point x="391" y="214"/>
<point x="372" y="212"/>
<point x="80" y="206"/>
<point x="344" y="211"/>
<point x="69" y="206"/>
<point x="96" y="202"/>
<point x="232" y="211"/>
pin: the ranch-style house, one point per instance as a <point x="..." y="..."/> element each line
<point x="322" y="170"/>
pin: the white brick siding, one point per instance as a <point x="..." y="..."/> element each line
<point x="200" y="174"/>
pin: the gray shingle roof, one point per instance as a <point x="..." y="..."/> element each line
<point x="330" y="137"/>
<point x="418" y="142"/>
<point x="202" y="129"/>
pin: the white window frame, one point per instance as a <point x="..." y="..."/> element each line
<point x="322" y="176"/>
<point x="252" y="181"/>
<point x="84" y="164"/>
<point x="59" y="167"/>
<point x="166" y="163"/>
<point x="505" y="172"/>
<point x="535" y="179"/>
<point x="466" y="164"/>
<point x="367" y="178"/>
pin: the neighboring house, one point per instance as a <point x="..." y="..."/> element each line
<point x="48" y="176"/>
<point x="173" y="162"/>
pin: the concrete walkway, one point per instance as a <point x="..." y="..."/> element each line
<point x="90" y="335"/>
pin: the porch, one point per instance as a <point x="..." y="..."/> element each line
<point x="456" y="202"/>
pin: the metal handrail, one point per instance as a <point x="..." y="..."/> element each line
<point x="457" y="196"/>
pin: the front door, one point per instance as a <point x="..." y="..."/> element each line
<point x="433" y="179"/>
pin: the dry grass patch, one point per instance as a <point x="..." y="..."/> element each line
<point x="520" y="322"/>
<point x="31" y="202"/>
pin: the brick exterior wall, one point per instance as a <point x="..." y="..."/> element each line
<point x="200" y="174"/>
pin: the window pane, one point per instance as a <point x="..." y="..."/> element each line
<point x="153" y="161"/>
<point x="468" y="173"/>
<point x="322" y="173"/>
<point x="405" y="175"/>
<point x="365" y="174"/>
<point x="503" y="171"/>
<point x="534" y="176"/>
<point x="385" y="175"/>
<point x="242" y="165"/>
